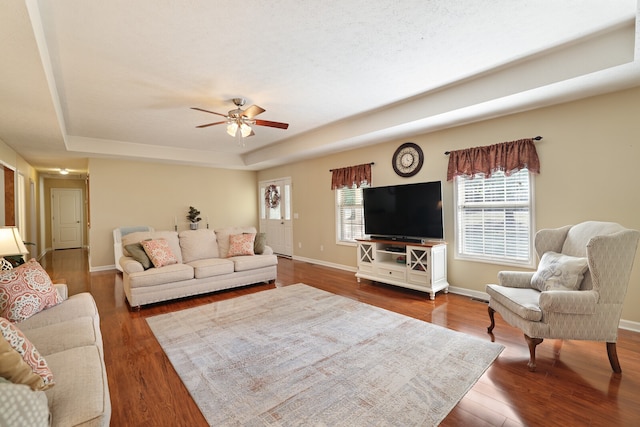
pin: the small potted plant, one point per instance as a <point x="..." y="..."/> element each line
<point x="194" y="217"/>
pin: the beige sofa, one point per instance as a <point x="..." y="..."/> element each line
<point x="68" y="337"/>
<point x="202" y="265"/>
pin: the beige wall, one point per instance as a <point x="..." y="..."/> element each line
<point x="124" y="193"/>
<point x="589" y="159"/>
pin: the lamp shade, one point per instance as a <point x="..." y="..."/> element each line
<point x="11" y="242"/>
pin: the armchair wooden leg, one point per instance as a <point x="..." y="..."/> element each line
<point x="612" y="352"/>
<point x="533" y="342"/>
<point x="493" y="322"/>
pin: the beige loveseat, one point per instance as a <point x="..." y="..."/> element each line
<point x="68" y="338"/>
<point x="203" y="265"/>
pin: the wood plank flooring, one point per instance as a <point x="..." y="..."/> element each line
<point x="573" y="385"/>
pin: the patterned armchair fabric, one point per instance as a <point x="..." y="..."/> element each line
<point x="590" y="313"/>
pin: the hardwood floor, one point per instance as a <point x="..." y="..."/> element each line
<point x="573" y="385"/>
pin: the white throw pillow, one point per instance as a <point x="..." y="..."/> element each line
<point x="559" y="272"/>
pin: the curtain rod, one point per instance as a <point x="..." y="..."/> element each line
<point x="537" y="138"/>
<point x="331" y="170"/>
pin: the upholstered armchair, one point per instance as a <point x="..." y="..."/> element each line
<point x="577" y="291"/>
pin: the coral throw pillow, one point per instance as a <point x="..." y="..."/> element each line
<point x="241" y="244"/>
<point x="159" y="252"/>
<point x="20" y="362"/>
<point x="25" y="291"/>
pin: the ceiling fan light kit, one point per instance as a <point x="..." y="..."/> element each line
<point x="239" y="121"/>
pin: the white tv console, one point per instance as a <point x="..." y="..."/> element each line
<point x="419" y="266"/>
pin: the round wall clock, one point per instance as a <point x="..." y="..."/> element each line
<point x="408" y="159"/>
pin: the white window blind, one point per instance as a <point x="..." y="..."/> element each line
<point x="349" y="214"/>
<point x="494" y="218"/>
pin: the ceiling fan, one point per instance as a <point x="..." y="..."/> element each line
<point x="239" y="121"/>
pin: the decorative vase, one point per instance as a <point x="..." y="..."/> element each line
<point x="193" y="225"/>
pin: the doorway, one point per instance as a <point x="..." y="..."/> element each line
<point x="66" y="218"/>
<point x="275" y="215"/>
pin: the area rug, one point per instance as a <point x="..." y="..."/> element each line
<point x="300" y="356"/>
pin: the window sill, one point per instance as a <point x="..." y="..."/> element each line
<point x="496" y="261"/>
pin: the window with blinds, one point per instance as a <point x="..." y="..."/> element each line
<point x="349" y="214"/>
<point x="494" y="219"/>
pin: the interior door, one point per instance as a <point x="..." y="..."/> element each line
<point x="275" y="215"/>
<point x="66" y="211"/>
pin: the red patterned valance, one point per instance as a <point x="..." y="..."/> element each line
<point x="508" y="157"/>
<point x="347" y="177"/>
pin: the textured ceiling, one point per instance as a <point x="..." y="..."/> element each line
<point x="116" y="78"/>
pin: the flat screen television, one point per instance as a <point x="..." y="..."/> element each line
<point x="404" y="212"/>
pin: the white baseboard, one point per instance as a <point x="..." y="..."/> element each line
<point x="629" y="325"/>
<point x="469" y="293"/>
<point x="325" y="264"/>
<point x="102" y="268"/>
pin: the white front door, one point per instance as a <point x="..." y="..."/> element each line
<point x="275" y="215"/>
<point x="66" y="211"/>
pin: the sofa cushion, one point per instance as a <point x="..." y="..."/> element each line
<point x="244" y="263"/>
<point x="525" y="302"/>
<point x="559" y="272"/>
<point x="21" y="406"/>
<point x="158" y="276"/>
<point x="138" y="253"/>
<point x="222" y="235"/>
<point x="170" y="236"/>
<point x="198" y="244"/>
<point x="72" y="333"/>
<point x="241" y="244"/>
<point x="211" y="267"/>
<point x="78" y="305"/>
<point x="159" y="252"/>
<point x="81" y="394"/>
<point x="14" y="342"/>
<point x="25" y="291"/>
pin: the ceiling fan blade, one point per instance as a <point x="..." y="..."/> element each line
<point x="207" y="111"/>
<point x="253" y="111"/>
<point x="211" y="124"/>
<point x="272" y="124"/>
